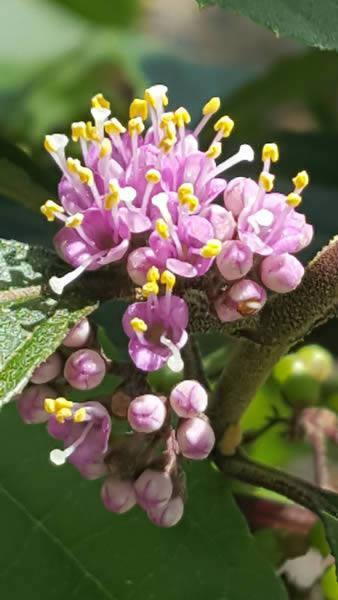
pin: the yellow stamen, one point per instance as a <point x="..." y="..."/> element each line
<point x="135" y="126"/>
<point x="49" y="405"/>
<point x="50" y="208"/>
<point x="112" y="199"/>
<point x="166" y="144"/>
<point x="86" y="175"/>
<point x="162" y="228"/>
<point x="63" y="414"/>
<point x="184" y="189"/>
<point x="62" y="403"/>
<point x="168" y="279"/>
<point x="75" y="220"/>
<point x="80" y="415"/>
<point x="170" y="131"/>
<point x="225" y="125"/>
<point x="153" y="176"/>
<point x="114" y="127"/>
<point x="189" y="200"/>
<point x="150" y="288"/>
<point x="214" y="151"/>
<point x="212" y="106"/>
<point x="106" y="147"/>
<point x="138" y="325"/>
<point x="153" y="274"/>
<point x="152" y="97"/>
<point x="99" y="101"/>
<point x="266" y="180"/>
<point x="92" y="132"/>
<point x="270" y="152"/>
<point x="212" y="248"/>
<point x="138" y="108"/>
<point x="73" y="164"/>
<point x="301" y="180"/>
<point x="182" y="117"/>
<point x="79" y="130"/>
<point x="167" y="117"/>
<point x="293" y="199"/>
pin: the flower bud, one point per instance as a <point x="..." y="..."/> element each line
<point x="30" y="403"/>
<point x="188" y="398"/>
<point x="244" y="298"/>
<point x="237" y="192"/>
<point x="153" y="489"/>
<point x="85" y="369"/>
<point x="281" y="273"/>
<point x="169" y="514"/>
<point x="235" y="260"/>
<point x="138" y="264"/>
<point x="118" y="496"/>
<point x="79" y="335"/>
<point x="195" y="438"/>
<point x="48" y="370"/>
<point x="92" y="471"/>
<point x="146" y="413"/>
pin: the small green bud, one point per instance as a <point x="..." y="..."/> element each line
<point x="318" y="361"/>
<point x="301" y="389"/>
<point x="289" y="365"/>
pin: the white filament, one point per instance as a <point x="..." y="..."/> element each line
<point x="175" y="362"/>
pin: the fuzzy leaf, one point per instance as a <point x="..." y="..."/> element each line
<point x="33" y="322"/>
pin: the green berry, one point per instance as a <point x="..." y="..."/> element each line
<point x="289" y="365"/>
<point x="332" y="402"/>
<point x="301" y="389"/>
<point x="318" y="361"/>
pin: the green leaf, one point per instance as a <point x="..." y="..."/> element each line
<point x="58" y="540"/>
<point x="314" y="23"/>
<point x="33" y="322"/>
<point x="20" y="178"/>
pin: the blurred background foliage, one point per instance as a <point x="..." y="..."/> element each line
<point x="56" y="54"/>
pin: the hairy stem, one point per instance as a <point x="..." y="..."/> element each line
<point x="193" y="365"/>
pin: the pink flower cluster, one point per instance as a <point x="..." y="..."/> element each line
<point x="153" y="198"/>
<point x="164" y="432"/>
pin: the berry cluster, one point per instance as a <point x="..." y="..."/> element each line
<point x="142" y="466"/>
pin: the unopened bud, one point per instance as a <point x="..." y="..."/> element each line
<point x="146" y="413"/>
<point x="118" y="496"/>
<point x="79" y="335"/>
<point x="188" y="398"/>
<point x="244" y="298"/>
<point x="235" y="260"/>
<point x="48" y="370"/>
<point x="195" y="438"/>
<point x="281" y="273"/>
<point x="30" y="403"/>
<point x="153" y="489"/>
<point x="237" y="192"/>
<point x="85" y="369"/>
<point x="168" y="515"/>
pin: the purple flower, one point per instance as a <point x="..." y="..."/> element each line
<point x="79" y="335"/>
<point x="235" y="260"/>
<point x="153" y="489"/>
<point x="113" y="193"/>
<point x="157" y="332"/>
<point x="30" y="403"/>
<point x="84" y="429"/>
<point x="48" y="370"/>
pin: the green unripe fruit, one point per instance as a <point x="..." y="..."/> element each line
<point x="318" y="361"/>
<point x="301" y="390"/>
<point x="289" y="365"/>
<point x="332" y="402"/>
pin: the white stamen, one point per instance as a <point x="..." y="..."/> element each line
<point x="58" y="284"/>
<point x="58" y="140"/>
<point x="128" y="194"/>
<point x="100" y="115"/>
<point x="245" y="152"/>
<point x="202" y="124"/>
<point x="161" y="201"/>
<point x="58" y="457"/>
<point x="174" y="362"/>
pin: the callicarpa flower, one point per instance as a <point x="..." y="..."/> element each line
<point x="156" y="183"/>
<point x="85" y="369"/>
<point x="195" y="438"/>
<point x="84" y="429"/>
<point x="153" y="489"/>
<point x="79" y="335"/>
<point x="48" y="370"/>
<point x="168" y="515"/>
<point x="118" y="496"/>
<point x="157" y="327"/>
<point x="146" y="413"/>
<point x="188" y="398"/>
<point x="31" y="401"/>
